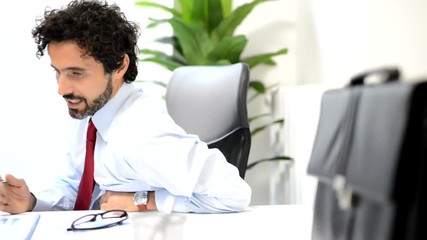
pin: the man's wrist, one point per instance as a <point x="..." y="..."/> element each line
<point x="33" y="202"/>
<point x="145" y="200"/>
<point x="151" y="203"/>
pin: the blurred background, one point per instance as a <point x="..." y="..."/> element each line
<point x="328" y="42"/>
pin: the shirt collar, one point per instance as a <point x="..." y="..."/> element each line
<point x="103" y="118"/>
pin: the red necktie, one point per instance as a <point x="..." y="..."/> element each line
<point x="87" y="183"/>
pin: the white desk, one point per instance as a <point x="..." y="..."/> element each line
<point x="258" y="222"/>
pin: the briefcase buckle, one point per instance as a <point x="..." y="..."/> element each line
<point x="343" y="193"/>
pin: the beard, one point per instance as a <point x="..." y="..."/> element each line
<point x="91" y="107"/>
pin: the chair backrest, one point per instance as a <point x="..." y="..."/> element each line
<point x="210" y="101"/>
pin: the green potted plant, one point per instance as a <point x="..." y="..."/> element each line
<point x="204" y="34"/>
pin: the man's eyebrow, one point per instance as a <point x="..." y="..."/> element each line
<point x="69" y="68"/>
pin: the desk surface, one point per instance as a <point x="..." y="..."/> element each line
<point x="257" y="222"/>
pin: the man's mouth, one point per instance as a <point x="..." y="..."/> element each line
<point x="73" y="103"/>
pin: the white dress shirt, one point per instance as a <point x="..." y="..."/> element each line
<point x="139" y="147"/>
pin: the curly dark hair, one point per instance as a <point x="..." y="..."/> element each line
<point x="100" y="29"/>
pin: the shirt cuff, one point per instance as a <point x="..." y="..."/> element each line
<point x="41" y="205"/>
<point x="180" y="203"/>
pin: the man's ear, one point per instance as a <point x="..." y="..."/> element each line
<point x="120" y="72"/>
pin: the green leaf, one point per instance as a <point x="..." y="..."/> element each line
<point x="147" y="51"/>
<point x="167" y="63"/>
<point x="251" y="119"/>
<point x="185" y="7"/>
<point x="214" y="14"/>
<point x="194" y="41"/>
<point x="204" y="13"/>
<point x="197" y="14"/>
<point x="156" y="82"/>
<point x="229" y="48"/>
<point x="261" y="128"/>
<point x="177" y="50"/>
<point x="169" y="40"/>
<point x="158" y="54"/>
<point x="258" y="86"/>
<point x="155" y="22"/>
<point x="265" y="90"/>
<point x="227" y="7"/>
<point x="159" y="6"/>
<point x="264" y="58"/>
<point x="222" y="62"/>
<point x="229" y="24"/>
<point x="277" y="158"/>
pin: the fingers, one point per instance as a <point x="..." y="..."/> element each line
<point x="105" y="207"/>
<point x="3" y="197"/>
<point x="104" y="197"/>
<point x="3" y="178"/>
<point x="13" y="181"/>
<point x="3" y="193"/>
<point x="15" y="196"/>
<point x="117" y="200"/>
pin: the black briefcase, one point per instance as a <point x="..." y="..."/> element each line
<point x="369" y="157"/>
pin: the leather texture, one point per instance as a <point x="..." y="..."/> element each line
<point x="210" y="101"/>
<point x="370" y="159"/>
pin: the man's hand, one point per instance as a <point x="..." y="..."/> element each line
<point x="15" y="197"/>
<point x="118" y="200"/>
<point x="124" y="201"/>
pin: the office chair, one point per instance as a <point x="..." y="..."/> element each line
<point x="210" y="101"/>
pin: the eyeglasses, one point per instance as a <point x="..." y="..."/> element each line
<point x="91" y="221"/>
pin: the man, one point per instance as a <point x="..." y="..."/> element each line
<point x="141" y="157"/>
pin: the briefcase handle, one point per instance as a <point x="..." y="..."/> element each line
<point x="390" y="74"/>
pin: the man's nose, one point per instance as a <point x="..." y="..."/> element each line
<point x="64" y="86"/>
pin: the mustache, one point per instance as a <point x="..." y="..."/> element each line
<point x="72" y="96"/>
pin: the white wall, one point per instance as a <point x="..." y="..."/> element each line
<point x="31" y="119"/>
<point x="345" y="37"/>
